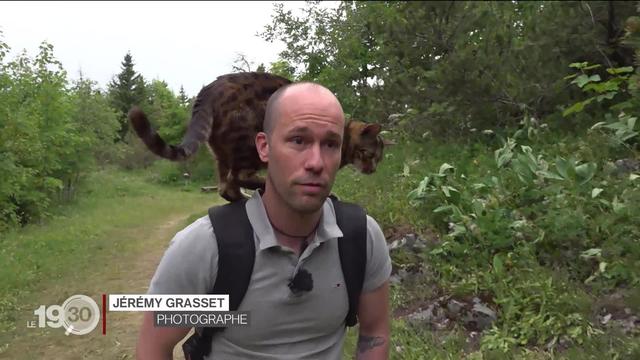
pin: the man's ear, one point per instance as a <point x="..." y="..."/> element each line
<point x="262" y="145"/>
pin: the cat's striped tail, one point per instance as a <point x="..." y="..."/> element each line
<point x="156" y="144"/>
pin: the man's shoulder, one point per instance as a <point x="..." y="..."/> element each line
<point x="374" y="231"/>
<point x="201" y="224"/>
<point x="378" y="260"/>
<point x="198" y="233"/>
<point x="189" y="264"/>
<point x="372" y="222"/>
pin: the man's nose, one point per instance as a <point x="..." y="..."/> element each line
<point x="314" y="161"/>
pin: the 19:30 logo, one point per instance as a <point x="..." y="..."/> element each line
<point x="79" y="315"/>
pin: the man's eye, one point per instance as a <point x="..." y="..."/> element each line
<point x="332" y="144"/>
<point x="297" y="140"/>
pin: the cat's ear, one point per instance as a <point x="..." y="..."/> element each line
<point x="387" y="142"/>
<point x="371" y="130"/>
<point x="262" y="146"/>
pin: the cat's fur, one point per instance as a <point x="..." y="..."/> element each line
<point x="228" y="113"/>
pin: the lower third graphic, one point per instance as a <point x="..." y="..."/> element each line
<point x="79" y="315"/>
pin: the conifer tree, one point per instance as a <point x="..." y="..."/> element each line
<point x="125" y="90"/>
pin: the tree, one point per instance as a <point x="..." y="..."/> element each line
<point x="241" y="64"/>
<point x="308" y="38"/>
<point x="39" y="140"/>
<point x="282" y="68"/>
<point x="125" y="90"/>
<point x="183" y="98"/>
<point x="167" y="111"/>
<point x="96" y="118"/>
<point x="456" y="65"/>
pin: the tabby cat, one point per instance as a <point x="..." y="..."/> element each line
<point x="228" y="113"/>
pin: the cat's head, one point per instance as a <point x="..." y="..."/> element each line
<point x="363" y="146"/>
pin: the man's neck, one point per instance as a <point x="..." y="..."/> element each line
<point x="286" y="219"/>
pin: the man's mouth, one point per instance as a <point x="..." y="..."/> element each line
<point x="311" y="186"/>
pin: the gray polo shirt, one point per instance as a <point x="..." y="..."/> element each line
<point x="282" y="325"/>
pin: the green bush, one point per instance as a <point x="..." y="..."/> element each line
<point x="528" y="228"/>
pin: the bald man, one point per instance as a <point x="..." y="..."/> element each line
<point x="294" y="225"/>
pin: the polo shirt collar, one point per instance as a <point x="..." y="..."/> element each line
<point x="327" y="229"/>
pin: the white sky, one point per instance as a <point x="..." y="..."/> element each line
<point x="182" y="43"/>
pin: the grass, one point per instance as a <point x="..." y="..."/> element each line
<point x="80" y="235"/>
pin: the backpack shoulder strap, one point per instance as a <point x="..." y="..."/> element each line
<point x="236" y="256"/>
<point x="352" y="247"/>
<point x="236" y="251"/>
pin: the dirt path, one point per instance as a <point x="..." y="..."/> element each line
<point x="126" y="274"/>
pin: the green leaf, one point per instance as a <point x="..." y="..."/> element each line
<point x="628" y="136"/>
<point x="422" y="187"/>
<point x="591" y="253"/>
<point x="578" y="65"/>
<point x="444" y="167"/>
<point x="443" y="208"/>
<point x="577" y="107"/>
<point x="581" y="80"/>
<point x="550" y="175"/>
<point x="595" y="77"/>
<point x="590" y="67"/>
<point x="603" y="87"/>
<point x="607" y="96"/>
<point x="602" y="266"/>
<point x="622" y="106"/>
<point x="517" y="224"/>
<point x="620" y="70"/>
<point x="447" y="190"/>
<point x="518" y="133"/>
<point x="595" y="192"/>
<point x="584" y="79"/>
<point x="504" y="158"/>
<point x="562" y="165"/>
<point x="405" y="170"/>
<point x="634" y="176"/>
<point x="586" y="172"/>
<point x="478" y="207"/>
<point x="457" y="230"/>
<point x="498" y="264"/>
<point x="618" y="207"/>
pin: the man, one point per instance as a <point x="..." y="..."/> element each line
<point x="294" y="227"/>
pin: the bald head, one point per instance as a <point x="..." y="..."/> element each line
<point x="292" y="93"/>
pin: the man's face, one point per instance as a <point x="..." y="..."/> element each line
<point x="304" y="149"/>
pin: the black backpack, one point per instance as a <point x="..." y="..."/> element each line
<point x="236" y="256"/>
